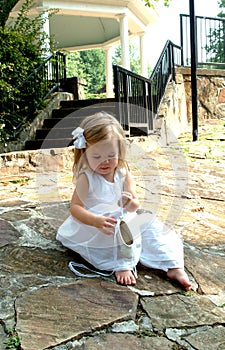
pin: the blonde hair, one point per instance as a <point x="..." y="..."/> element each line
<point x="97" y="127"/>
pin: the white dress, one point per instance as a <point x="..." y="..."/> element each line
<point x="153" y="244"/>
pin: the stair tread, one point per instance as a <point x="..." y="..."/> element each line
<point x="49" y="143"/>
<point x="81" y="112"/>
<point x="52" y="139"/>
<point x="56" y="128"/>
<point x="86" y="102"/>
<point x="98" y="105"/>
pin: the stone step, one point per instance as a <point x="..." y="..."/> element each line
<point x="62" y="122"/>
<point x="48" y="143"/>
<point x="83" y="112"/>
<point x="85" y="103"/>
<point x="55" y="132"/>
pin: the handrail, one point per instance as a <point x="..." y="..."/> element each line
<point x="132" y="89"/>
<point x="163" y="71"/>
<point x="175" y="61"/>
<point x="29" y="95"/>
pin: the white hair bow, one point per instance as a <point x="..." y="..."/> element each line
<point x="78" y="135"/>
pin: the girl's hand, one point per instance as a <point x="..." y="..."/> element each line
<point x="125" y="199"/>
<point x="106" y="224"/>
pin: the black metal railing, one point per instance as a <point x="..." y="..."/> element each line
<point x="164" y="71"/>
<point x="210" y="41"/>
<point x="132" y="90"/>
<point x="28" y="97"/>
<point x="140" y="98"/>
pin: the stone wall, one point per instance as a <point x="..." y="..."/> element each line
<point x="75" y="86"/>
<point x="172" y="117"/>
<point x="211" y="92"/>
<point x="20" y="162"/>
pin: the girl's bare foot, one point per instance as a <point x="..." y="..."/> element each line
<point x="125" y="277"/>
<point x="181" y="276"/>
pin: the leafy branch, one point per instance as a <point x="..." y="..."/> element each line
<point x="151" y="3"/>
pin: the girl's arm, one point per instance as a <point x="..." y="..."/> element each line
<point x="130" y="202"/>
<point x="104" y="224"/>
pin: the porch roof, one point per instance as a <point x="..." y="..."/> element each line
<point x="79" y="25"/>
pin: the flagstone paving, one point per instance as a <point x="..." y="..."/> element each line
<point x="45" y="306"/>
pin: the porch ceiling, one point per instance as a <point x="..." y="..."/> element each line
<point x="93" y="23"/>
<point x="83" y="31"/>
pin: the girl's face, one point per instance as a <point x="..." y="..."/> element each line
<point x="103" y="157"/>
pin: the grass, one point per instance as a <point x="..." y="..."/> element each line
<point x="20" y="181"/>
<point x="14" y="340"/>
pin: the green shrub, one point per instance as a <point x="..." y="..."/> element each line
<point x="22" y="50"/>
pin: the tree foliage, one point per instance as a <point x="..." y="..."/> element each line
<point x="221" y="4"/>
<point x="151" y="3"/>
<point x="93" y="68"/>
<point x="22" y="50"/>
<point x="90" y="65"/>
<point x="134" y="58"/>
<point x="215" y="48"/>
<point x="5" y="8"/>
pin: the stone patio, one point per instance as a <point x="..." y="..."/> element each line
<point x="47" y="307"/>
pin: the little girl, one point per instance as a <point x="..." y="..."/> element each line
<point x="105" y="192"/>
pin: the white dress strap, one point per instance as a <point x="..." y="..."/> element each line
<point x="73" y="264"/>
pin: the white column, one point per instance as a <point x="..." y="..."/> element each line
<point x="124" y="38"/>
<point x="46" y="29"/>
<point x="143" y="55"/>
<point x="109" y="73"/>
